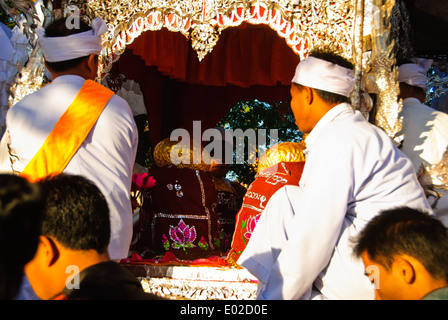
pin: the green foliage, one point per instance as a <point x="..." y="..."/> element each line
<point x="259" y="115"/>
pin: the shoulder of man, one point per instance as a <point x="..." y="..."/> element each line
<point x="438" y="294"/>
<point x="105" y="281"/>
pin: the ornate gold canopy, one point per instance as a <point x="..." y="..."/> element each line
<point x="303" y="24"/>
<point x="360" y="30"/>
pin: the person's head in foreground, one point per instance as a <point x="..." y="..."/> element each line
<point x="321" y="81"/>
<point x="75" y="233"/>
<point x="405" y="254"/>
<point x="21" y="205"/>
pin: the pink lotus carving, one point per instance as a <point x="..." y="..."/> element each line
<point x="182" y="235"/>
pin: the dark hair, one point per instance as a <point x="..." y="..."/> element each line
<point x="59" y="29"/>
<point x="406" y="231"/>
<point x="329" y="56"/>
<point x="76" y="213"/>
<point x="21" y="205"/>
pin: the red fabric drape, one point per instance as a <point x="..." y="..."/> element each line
<point x="249" y="62"/>
<point x="244" y="56"/>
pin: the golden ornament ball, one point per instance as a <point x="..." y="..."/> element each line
<point x="282" y="152"/>
<point x="166" y="150"/>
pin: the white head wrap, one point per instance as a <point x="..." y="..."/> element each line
<point x="73" y="46"/>
<point x="414" y="74"/>
<point x="323" y="75"/>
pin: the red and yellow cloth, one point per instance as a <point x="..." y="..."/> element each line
<point x="256" y="198"/>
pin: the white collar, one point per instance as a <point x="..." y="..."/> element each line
<point x="67" y="78"/>
<point x="411" y="100"/>
<point x="326" y="119"/>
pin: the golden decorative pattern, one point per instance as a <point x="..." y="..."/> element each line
<point x="282" y="152"/>
<point x="303" y="24"/>
<point x="166" y="148"/>
<point x="384" y="73"/>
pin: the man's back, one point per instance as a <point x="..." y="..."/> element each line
<point x="425" y="133"/>
<point x="352" y="171"/>
<point x="106" y="281"/>
<point x="365" y="175"/>
<point x="106" y="156"/>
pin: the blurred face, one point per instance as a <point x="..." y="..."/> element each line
<point x="44" y="279"/>
<point x="37" y="277"/>
<point x="301" y="109"/>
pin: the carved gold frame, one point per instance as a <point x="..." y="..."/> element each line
<point x="304" y="24"/>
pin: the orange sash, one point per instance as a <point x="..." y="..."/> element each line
<point x="69" y="132"/>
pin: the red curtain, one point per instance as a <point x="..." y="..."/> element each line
<point x="244" y="56"/>
<point x="248" y="62"/>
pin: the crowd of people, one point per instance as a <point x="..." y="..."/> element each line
<point x="349" y="220"/>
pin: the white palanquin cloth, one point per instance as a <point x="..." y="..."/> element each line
<point x="106" y="156"/>
<point x="352" y="172"/>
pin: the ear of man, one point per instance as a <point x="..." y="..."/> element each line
<point x="406" y="269"/>
<point x="50" y="249"/>
<point x="92" y="66"/>
<point x="309" y="95"/>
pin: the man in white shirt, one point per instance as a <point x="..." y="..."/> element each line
<point x="425" y="129"/>
<point x="106" y="153"/>
<point x="301" y="247"/>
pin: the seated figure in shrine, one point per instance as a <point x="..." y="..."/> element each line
<point x="280" y="165"/>
<point x="177" y="213"/>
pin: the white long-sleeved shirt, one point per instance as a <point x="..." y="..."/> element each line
<point x="106" y="156"/>
<point x="425" y="132"/>
<point x="302" y="242"/>
<point x="425" y="140"/>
